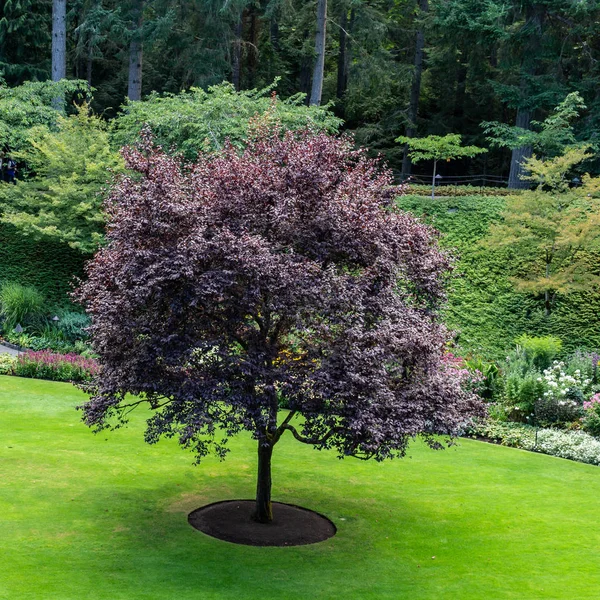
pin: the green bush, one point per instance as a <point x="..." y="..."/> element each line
<point x="7" y="363"/>
<point x="539" y="351"/>
<point x="20" y="304"/>
<point x="72" y="325"/>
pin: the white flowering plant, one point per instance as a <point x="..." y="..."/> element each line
<point x="564" y="393"/>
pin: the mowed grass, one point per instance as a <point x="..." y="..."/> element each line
<point x="86" y="516"/>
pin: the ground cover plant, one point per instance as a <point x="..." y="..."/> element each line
<point x="104" y="517"/>
<point x="275" y="271"/>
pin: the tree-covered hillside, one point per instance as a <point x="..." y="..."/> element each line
<point x="391" y="67"/>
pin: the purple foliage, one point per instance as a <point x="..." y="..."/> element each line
<point x="281" y="271"/>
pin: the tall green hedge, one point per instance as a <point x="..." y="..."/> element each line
<point x="483" y="305"/>
<point x="49" y="266"/>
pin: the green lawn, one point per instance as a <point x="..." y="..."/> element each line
<point x="92" y="517"/>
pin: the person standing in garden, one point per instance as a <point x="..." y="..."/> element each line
<point x="11" y="171"/>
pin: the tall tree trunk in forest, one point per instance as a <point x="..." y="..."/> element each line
<point x="253" y="34"/>
<point x="89" y="62"/>
<point x="345" y="44"/>
<point x="236" y="67"/>
<point x="59" y="39"/>
<point x="529" y="65"/>
<point x="519" y="154"/>
<point x="415" y="90"/>
<point x="134" y="87"/>
<point x="59" y="47"/>
<point x="274" y="33"/>
<point x="319" y="69"/>
<point x="263" y="512"/>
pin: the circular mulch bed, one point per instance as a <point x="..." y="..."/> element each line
<point x="231" y="521"/>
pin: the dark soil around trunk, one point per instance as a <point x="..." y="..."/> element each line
<point x="232" y="521"/>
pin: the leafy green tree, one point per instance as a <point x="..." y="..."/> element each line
<point x="549" y="137"/>
<point x="62" y="200"/>
<point x="197" y="121"/>
<point x="436" y="147"/>
<point x="29" y="105"/>
<point x="554" y="235"/>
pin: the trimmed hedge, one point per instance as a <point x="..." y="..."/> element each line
<point x="483" y="304"/>
<point x="48" y="266"/>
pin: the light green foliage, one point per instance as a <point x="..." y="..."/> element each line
<point x="552" y="236"/>
<point x="437" y="147"/>
<point x="539" y="351"/>
<point x="63" y="199"/>
<point x="7" y="363"/>
<point x="30" y="105"/>
<point x="484" y="306"/>
<point x="549" y="137"/>
<point x="552" y="173"/>
<point x="20" y="304"/>
<point x="199" y="121"/>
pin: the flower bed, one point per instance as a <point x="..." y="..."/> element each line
<point x="572" y="445"/>
<point x="55" y="367"/>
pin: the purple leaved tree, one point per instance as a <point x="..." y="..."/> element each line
<point x="276" y="275"/>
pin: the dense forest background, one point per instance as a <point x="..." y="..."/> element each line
<point x="389" y="67"/>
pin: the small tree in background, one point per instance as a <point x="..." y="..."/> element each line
<point x="69" y="165"/>
<point x="436" y="147"/>
<point x="278" y="272"/>
<point x="553" y="232"/>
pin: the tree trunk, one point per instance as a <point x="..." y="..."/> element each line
<point x="519" y="154"/>
<point x="415" y="91"/>
<point x="253" y="36"/>
<point x="90" y="62"/>
<point x="319" y="69"/>
<point x="342" y="66"/>
<point x="134" y="88"/>
<point x="59" y="39"/>
<point x="59" y="48"/>
<point x="263" y="513"/>
<point x="236" y="67"/>
<point x="534" y="22"/>
<point x="433" y="179"/>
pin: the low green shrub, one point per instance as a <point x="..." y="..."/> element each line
<point x="7" y="363"/>
<point x="515" y="435"/>
<point x="460" y="190"/>
<point x="539" y="351"/>
<point x="572" y="445"/>
<point x="59" y="345"/>
<point x="20" y="304"/>
<point x="72" y="326"/>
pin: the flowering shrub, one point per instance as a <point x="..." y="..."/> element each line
<point x="574" y="445"/>
<point x="562" y="400"/>
<point x="590" y="421"/>
<point x="7" y="363"/>
<point x="56" y="367"/>
<point x="470" y="378"/>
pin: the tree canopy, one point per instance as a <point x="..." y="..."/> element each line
<point x="276" y="275"/>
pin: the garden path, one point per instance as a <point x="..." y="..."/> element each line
<point x="7" y="350"/>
